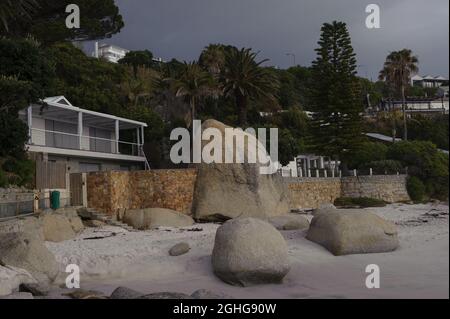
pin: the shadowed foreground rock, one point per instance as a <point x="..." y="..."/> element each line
<point x="352" y="231"/>
<point x="237" y="190"/>
<point x="27" y="251"/>
<point x="249" y="251"/>
<point x="156" y="217"/>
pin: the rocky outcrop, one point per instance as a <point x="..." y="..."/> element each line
<point x="352" y="231"/>
<point x="237" y="190"/>
<point x="156" y="217"/>
<point x="249" y="251"/>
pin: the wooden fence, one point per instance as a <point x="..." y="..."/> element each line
<point x="50" y="175"/>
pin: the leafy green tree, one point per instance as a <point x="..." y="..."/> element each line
<point x="244" y="79"/>
<point x="47" y="21"/>
<point x="87" y="82"/>
<point x="397" y="72"/>
<point x="137" y="59"/>
<point x="335" y="94"/>
<point x="26" y="60"/>
<point x="15" y="95"/>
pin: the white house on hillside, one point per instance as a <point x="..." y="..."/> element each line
<point x="113" y="53"/>
<point x="84" y="140"/>
<point x="428" y="81"/>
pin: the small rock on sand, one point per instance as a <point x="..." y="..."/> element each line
<point x="166" y="295"/>
<point x="85" y="294"/>
<point x="179" y="249"/>
<point x="125" y="293"/>
<point x="207" y="294"/>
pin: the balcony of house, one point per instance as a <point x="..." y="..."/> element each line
<point x="62" y="129"/>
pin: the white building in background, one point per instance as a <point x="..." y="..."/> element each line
<point x="113" y="53"/>
<point x="428" y="81"/>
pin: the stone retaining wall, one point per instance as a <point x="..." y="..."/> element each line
<point x="390" y="188"/>
<point x="113" y="191"/>
<point x="313" y="192"/>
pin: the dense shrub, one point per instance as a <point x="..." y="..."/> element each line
<point x="359" y="201"/>
<point x="425" y="162"/>
<point x="3" y="179"/>
<point x="416" y="189"/>
<point x="368" y="152"/>
<point x="388" y="166"/>
<point x="20" y="171"/>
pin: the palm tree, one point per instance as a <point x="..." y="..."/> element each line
<point x="397" y="72"/>
<point x="12" y="9"/>
<point x="138" y="85"/>
<point x="243" y="79"/>
<point x="213" y="58"/>
<point x="193" y="83"/>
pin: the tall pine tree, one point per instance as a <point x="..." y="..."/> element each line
<point x="335" y="95"/>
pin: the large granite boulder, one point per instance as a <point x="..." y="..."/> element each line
<point x="156" y="217"/>
<point x="11" y="278"/>
<point x="225" y="191"/>
<point x="61" y="224"/>
<point x="249" y="251"/>
<point x="26" y="250"/>
<point x="352" y="231"/>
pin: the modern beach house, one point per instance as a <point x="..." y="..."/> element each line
<point x="85" y="141"/>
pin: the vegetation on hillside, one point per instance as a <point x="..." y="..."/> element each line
<point x="230" y="84"/>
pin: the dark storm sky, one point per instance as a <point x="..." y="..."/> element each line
<point x="181" y="28"/>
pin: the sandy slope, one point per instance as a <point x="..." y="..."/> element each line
<point x="139" y="260"/>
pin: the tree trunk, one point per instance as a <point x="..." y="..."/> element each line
<point x="405" y="127"/>
<point x="241" y="103"/>
<point x="192" y="102"/>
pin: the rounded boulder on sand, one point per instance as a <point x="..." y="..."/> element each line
<point x="249" y="251"/>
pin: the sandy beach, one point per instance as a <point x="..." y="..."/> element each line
<point x="140" y="260"/>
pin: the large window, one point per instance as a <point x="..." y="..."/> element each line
<point x="61" y="135"/>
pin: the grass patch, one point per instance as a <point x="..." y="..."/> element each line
<point x="359" y="201"/>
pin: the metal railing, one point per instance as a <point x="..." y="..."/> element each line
<point x="73" y="141"/>
<point x="330" y="173"/>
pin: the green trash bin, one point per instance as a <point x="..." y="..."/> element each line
<point x="55" y="199"/>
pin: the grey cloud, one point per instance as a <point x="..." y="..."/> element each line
<point x="181" y="28"/>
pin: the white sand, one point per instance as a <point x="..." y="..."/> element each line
<point x="140" y="260"/>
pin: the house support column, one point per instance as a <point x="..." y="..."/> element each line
<point x="138" y="141"/>
<point x="80" y="129"/>
<point x="30" y="123"/>
<point x="117" y="136"/>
